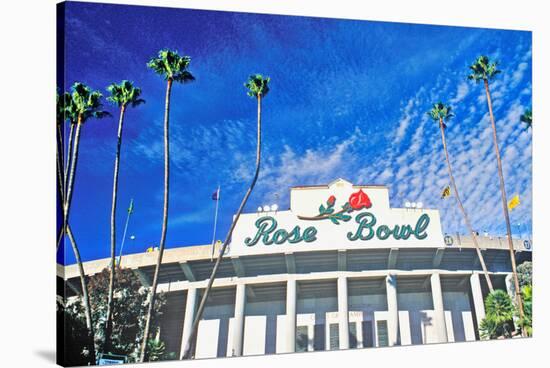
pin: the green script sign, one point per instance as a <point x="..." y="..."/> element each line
<point x="268" y="232"/>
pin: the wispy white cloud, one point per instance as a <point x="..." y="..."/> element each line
<point x="419" y="170"/>
<point x="462" y="91"/>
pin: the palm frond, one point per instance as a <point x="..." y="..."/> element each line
<point x="171" y="66"/>
<point x="483" y="69"/>
<point x="86" y="103"/>
<point x="527" y="118"/>
<point x="440" y="111"/>
<point x="125" y="93"/>
<point x="257" y="85"/>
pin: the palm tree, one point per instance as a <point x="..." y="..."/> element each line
<point x="499" y="314"/>
<point x="527" y="118"/>
<point x="66" y="111"/>
<point x="85" y="104"/>
<point x="85" y="295"/>
<point x="258" y="88"/>
<point x="484" y="70"/>
<point x="60" y="120"/>
<point x="527" y="321"/>
<point x="122" y="95"/>
<point x="72" y="116"/>
<point x="173" y="68"/>
<point x="441" y="114"/>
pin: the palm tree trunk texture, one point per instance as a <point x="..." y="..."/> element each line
<point x="85" y="295"/>
<point x="61" y="192"/>
<point x="164" y="220"/>
<point x="459" y="201"/>
<point x="66" y="229"/>
<point x="67" y="154"/>
<point x="504" y="202"/>
<point x="190" y="345"/>
<point x="110" y="302"/>
<point x="59" y="162"/>
<point x="72" y="170"/>
<point x="87" y="307"/>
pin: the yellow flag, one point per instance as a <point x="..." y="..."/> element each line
<point x="514" y="202"/>
<point x="446" y="192"/>
<point x="149" y="250"/>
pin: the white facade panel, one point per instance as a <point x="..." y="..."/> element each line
<point x="280" y="343"/>
<point x="207" y="338"/>
<point x="457" y="306"/>
<point x="404" y="328"/>
<point x="254" y="335"/>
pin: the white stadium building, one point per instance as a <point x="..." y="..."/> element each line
<point x="340" y="269"/>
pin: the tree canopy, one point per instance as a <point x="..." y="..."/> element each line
<point x="124" y="93"/>
<point x="130" y="310"/>
<point x="440" y="111"/>
<point x="257" y="85"/>
<point x="527" y="118"/>
<point x="86" y="103"/>
<point x="171" y="66"/>
<point x="483" y="69"/>
<point x="499" y="313"/>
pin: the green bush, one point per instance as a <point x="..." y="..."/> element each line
<point x="525" y="274"/>
<point x="499" y="313"/>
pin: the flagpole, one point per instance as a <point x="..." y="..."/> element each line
<point x="130" y="210"/>
<point x="215" y="224"/>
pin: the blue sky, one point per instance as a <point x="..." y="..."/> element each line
<point x="348" y="99"/>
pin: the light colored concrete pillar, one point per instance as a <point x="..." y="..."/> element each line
<point x="477" y="297"/>
<point x="290" y="322"/>
<point x="439" y="310"/>
<point x="343" y="315"/>
<point x="393" y="311"/>
<point x="238" y="324"/>
<point x="511" y="290"/>
<point x="510" y="286"/>
<point x="189" y="316"/>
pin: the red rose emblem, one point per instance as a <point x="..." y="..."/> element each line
<point x="359" y="200"/>
<point x="331" y="200"/>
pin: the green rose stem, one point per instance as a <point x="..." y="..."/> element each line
<point x="322" y="217"/>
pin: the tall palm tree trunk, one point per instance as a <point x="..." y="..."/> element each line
<point x="164" y="220"/>
<point x="60" y="182"/>
<point x="110" y="301"/>
<point x="66" y="229"/>
<point x="59" y="162"/>
<point x="190" y="344"/>
<point x="74" y="161"/>
<point x="69" y="153"/>
<point x="65" y="171"/>
<point x="459" y="201"/>
<point x="85" y="296"/>
<point x="504" y="203"/>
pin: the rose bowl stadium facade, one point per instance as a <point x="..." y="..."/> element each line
<point x="339" y="269"/>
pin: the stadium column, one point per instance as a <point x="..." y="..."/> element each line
<point x="343" y="314"/>
<point x="189" y="316"/>
<point x="510" y="287"/>
<point x="290" y="316"/>
<point x="511" y="290"/>
<point x="393" y="312"/>
<point x="238" y="325"/>
<point x="439" y="310"/>
<point x="477" y="298"/>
